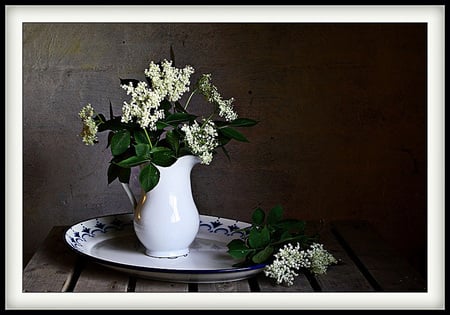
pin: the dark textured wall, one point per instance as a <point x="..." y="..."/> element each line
<point x="342" y="111"/>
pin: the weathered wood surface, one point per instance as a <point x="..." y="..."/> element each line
<point x="52" y="266"/>
<point x="385" y="269"/>
<point x="231" y="286"/>
<point x="366" y="264"/>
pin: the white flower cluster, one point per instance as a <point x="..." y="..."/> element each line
<point x="144" y="105"/>
<point x="89" y="132"/>
<point x="212" y="95"/>
<point x="202" y="140"/>
<point x="320" y="259"/>
<point x="167" y="81"/>
<point x="290" y="258"/>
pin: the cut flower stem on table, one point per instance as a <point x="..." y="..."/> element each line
<point x="281" y="244"/>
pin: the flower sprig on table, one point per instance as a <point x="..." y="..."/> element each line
<point x="155" y="128"/>
<point x="282" y="245"/>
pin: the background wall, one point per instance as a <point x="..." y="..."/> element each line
<point x="342" y="111"/>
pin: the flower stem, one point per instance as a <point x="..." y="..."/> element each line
<point x="148" y="138"/>
<point x="189" y="99"/>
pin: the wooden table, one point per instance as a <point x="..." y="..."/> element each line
<point x="366" y="264"/>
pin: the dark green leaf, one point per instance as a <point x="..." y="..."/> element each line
<point x="111" y="116"/>
<point x="142" y="149"/>
<point x="127" y="81"/>
<point x="124" y="175"/>
<point x="262" y="255"/>
<point x="110" y="135"/>
<point x="160" y="125"/>
<point x="243" y="122"/>
<point x="259" y="238"/>
<point x="165" y="104"/>
<point x="291" y="224"/>
<point x="101" y="118"/>
<point x="275" y="215"/>
<point x="113" y="173"/>
<point x="226" y="153"/>
<point x="140" y="137"/>
<point x="174" y="140"/>
<point x="132" y="161"/>
<point x="179" y="108"/>
<point x="237" y="249"/>
<point x="113" y="124"/>
<point x="162" y="156"/>
<point x="223" y="140"/>
<point x="178" y="118"/>
<point x="285" y="236"/>
<point x="232" y="134"/>
<point x="258" y="216"/>
<point x="120" y="142"/>
<point x="172" y="56"/>
<point x="149" y="177"/>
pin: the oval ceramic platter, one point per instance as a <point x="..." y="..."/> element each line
<point x="111" y="241"/>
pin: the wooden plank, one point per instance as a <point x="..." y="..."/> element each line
<point x="344" y="276"/>
<point x="383" y="265"/>
<point x="147" y="285"/>
<point x="52" y="266"/>
<point x="97" y="278"/>
<point x="301" y="284"/>
<point x="231" y="286"/>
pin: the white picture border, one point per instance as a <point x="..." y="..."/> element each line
<point x="16" y="15"/>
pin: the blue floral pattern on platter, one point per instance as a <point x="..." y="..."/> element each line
<point x="77" y="235"/>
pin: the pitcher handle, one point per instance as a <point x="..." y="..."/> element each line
<point x="130" y="195"/>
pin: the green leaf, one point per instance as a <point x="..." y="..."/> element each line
<point x="149" y="177"/>
<point x="113" y="173"/>
<point x="140" y="137"/>
<point x="258" y="216"/>
<point x="177" y="118"/>
<point x="124" y="175"/>
<point x="134" y="82"/>
<point x="291" y="224"/>
<point x="262" y="255"/>
<point x="243" y="122"/>
<point x="237" y="249"/>
<point x="179" y="108"/>
<point x="142" y="149"/>
<point x="114" y="124"/>
<point x="275" y="215"/>
<point x="259" y="238"/>
<point x="172" y="56"/>
<point x="232" y="134"/>
<point x="285" y="236"/>
<point x="120" y="142"/>
<point x="110" y="135"/>
<point x="226" y="153"/>
<point x="174" y="140"/>
<point x="132" y="161"/>
<point x="162" y="156"/>
<point x="165" y="104"/>
<point x="111" y="116"/>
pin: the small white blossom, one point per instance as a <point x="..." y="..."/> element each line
<point x="212" y="95"/>
<point x="202" y="140"/>
<point x="290" y="258"/>
<point x="89" y="132"/>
